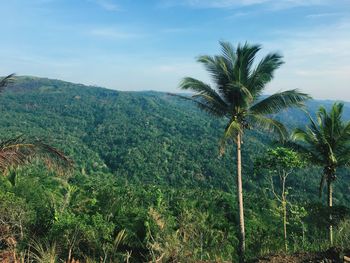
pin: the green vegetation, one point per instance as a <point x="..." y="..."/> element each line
<point x="148" y="181"/>
<point x="278" y="164"/>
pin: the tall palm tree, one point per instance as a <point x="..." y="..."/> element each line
<point x="19" y="151"/>
<point x="327" y="140"/>
<point x="237" y="97"/>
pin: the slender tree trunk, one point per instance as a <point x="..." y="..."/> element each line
<point x="69" y="255"/>
<point x="240" y="201"/>
<point x="284" y="206"/>
<point x="330" y="204"/>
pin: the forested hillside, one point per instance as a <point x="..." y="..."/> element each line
<point x="148" y="179"/>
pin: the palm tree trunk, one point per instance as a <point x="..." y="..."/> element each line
<point x="330" y="204"/>
<point x="241" y="248"/>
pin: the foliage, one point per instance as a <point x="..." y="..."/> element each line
<point x="15" y="219"/>
<point x="44" y="252"/>
<point x="342" y="238"/>
<point x="279" y="163"/>
<point x="277" y="159"/>
<point x="134" y="152"/>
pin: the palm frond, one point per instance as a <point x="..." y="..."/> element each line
<point x="216" y="67"/>
<point x="202" y="105"/>
<point x="4" y="82"/>
<point x="344" y="158"/>
<point x="17" y="151"/>
<point x="280" y="101"/>
<point x="228" y="52"/>
<point x="242" y="95"/>
<point x="120" y="237"/>
<point x="307" y="136"/>
<point x="299" y="135"/>
<point x="205" y="97"/>
<point x="322" y="183"/>
<point x="221" y="71"/>
<point x="342" y="145"/>
<point x="269" y="124"/>
<point x="311" y="143"/>
<point x="202" y="88"/>
<point x="231" y="131"/>
<point x="54" y="158"/>
<point x="245" y="58"/>
<point x="264" y="73"/>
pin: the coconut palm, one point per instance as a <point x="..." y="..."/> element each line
<point x="327" y="141"/>
<point x="237" y="97"/>
<point x="19" y="151"/>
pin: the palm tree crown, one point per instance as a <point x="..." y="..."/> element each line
<point x="239" y="85"/>
<point x="327" y="140"/>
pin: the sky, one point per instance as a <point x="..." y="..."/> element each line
<point x="152" y="44"/>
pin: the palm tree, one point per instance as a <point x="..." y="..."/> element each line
<point x="327" y="141"/>
<point x="237" y="97"/>
<point x="19" y="151"/>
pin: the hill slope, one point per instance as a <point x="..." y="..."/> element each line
<point x="147" y="137"/>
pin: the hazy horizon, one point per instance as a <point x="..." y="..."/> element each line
<point x="149" y="90"/>
<point x="124" y="45"/>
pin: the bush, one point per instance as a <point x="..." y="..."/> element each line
<point x="342" y="235"/>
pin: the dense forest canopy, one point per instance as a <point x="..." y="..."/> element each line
<point x="148" y="164"/>
<point x="147" y="137"/>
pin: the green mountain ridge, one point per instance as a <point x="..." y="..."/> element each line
<point x="148" y="137"/>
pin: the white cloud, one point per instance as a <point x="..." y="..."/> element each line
<point x="317" y="60"/>
<point x="240" y="14"/>
<point x="273" y="4"/>
<point x="323" y="15"/>
<point x="112" y="33"/>
<point x="108" y="5"/>
<point x="172" y="30"/>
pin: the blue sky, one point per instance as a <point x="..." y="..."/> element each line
<point x="152" y="44"/>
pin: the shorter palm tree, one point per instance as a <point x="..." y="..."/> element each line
<point x="327" y="141"/>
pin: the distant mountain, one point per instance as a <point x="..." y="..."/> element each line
<point x="296" y="117"/>
<point x="146" y="137"/>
